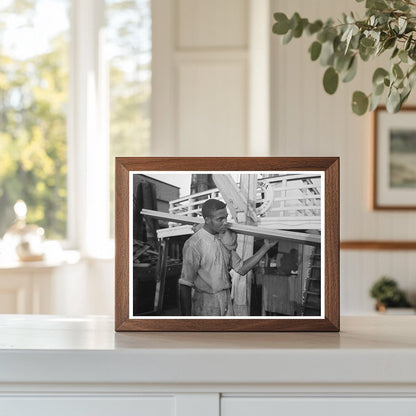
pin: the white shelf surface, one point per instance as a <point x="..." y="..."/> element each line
<point x="53" y="349"/>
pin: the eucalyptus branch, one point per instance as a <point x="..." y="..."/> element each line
<point x="339" y="47"/>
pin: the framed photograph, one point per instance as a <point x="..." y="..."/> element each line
<point x="394" y="180"/>
<point x="227" y="244"/>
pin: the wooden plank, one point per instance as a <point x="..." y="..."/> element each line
<point x="161" y="276"/>
<point x="235" y="199"/>
<point x="240" y="228"/>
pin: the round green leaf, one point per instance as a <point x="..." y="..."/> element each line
<point x="330" y="80"/>
<point x="365" y="53"/>
<point x="395" y="52"/>
<point x="397" y="71"/>
<point x="389" y="43"/>
<point x="314" y="27"/>
<point x="393" y="101"/>
<point x="351" y="71"/>
<point x="359" y="103"/>
<point x="327" y="54"/>
<point x="342" y="61"/>
<point x="374" y="102"/>
<point x="288" y="37"/>
<point x="379" y="75"/>
<point x="298" y="30"/>
<point x="408" y="42"/>
<point x="403" y="55"/>
<point x="315" y="50"/>
<point x="403" y="96"/>
<point x="281" y="26"/>
<point x="367" y="42"/>
<point x="378" y="89"/>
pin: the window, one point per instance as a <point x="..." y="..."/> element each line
<point x="33" y="98"/>
<point x="75" y="86"/>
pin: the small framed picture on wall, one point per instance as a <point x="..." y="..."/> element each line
<point x="394" y="149"/>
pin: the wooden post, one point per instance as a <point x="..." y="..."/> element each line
<point x="248" y="189"/>
<point x="161" y="275"/>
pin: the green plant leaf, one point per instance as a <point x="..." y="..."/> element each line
<point x="376" y="4"/>
<point x="330" y="80"/>
<point x="404" y="95"/>
<point x="408" y="42"/>
<point x="298" y="30"/>
<point x="400" y="5"/>
<point x="294" y="20"/>
<point x="281" y="26"/>
<point x="374" y="101"/>
<point x="395" y="52"/>
<point x="341" y="61"/>
<point x="403" y="56"/>
<point x="378" y="89"/>
<point x="393" y="101"/>
<point x="350" y="73"/>
<point x="379" y="75"/>
<point x="366" y="53"/>
<point x="315" y="50"/>
<point x="288" y="37"/>
<point x="327" y="53"/>
<point x="389" y="43"/>
<point x="402" y="22"/>
<point x="397" y="71"/>
<point x="314" y="27"/>
<point x="359" y="103"/>
<point x="367" y="42"/>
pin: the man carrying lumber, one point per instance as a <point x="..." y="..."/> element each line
<point x="204" y="286"/>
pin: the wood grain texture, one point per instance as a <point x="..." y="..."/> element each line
<point x="332" y="225"/>
<point x="378" y="245"/>
<point x="121" y="244"/>
<point x="330" y="165"/>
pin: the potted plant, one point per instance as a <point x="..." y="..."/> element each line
<point x="387" y="294"/>
<point x="389" y="27"/>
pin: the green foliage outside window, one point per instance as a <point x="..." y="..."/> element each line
<point x="34" y="103"/>
<point x="33" y="97"/>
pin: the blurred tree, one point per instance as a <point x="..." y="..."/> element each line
<point x="33" y="96"/>
<point x="34" y="100"/>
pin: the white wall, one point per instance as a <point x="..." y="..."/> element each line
<point x="200" y="77"/>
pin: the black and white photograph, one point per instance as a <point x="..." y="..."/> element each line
<point x="226" y="244"/>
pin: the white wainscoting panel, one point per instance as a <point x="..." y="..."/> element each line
<point x="87" y="405"/>
<point x="212" y="24"/>
<point x="212" y="107"/>
<point x="200" y="77"/>
<point x="316" y="406"/>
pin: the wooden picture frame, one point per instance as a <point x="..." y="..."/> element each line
<point x="394" y="158"/>
<point x="319" y="196"/>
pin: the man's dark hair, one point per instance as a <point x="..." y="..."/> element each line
<point x="210" y="206"/>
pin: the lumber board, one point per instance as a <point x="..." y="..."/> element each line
<point x="240" y="228"/>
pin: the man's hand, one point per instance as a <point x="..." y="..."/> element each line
<point x="270" y="243"/>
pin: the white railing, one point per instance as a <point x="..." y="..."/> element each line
<point x="286" y="202"/>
